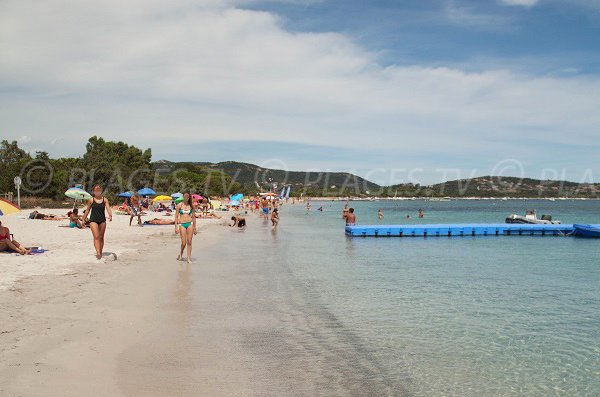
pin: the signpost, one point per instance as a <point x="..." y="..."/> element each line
<point x="18" y="182"/>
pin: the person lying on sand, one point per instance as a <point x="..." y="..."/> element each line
<point x="6" y="243"/>
<point x="44" y="217"/>
<point x="157" y="221"/>
<point x="208" y="216"/>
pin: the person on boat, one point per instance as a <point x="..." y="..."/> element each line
<point x="350" y="217"/>
<point x="97" y="208"/>
<point x="134" y="209"/>
<point x="6" y="243"/>
<point x="379" y="214"/>
<point x="275" y="218"/>
<point x="185" y="225"/>
<point x="238" y="221"/>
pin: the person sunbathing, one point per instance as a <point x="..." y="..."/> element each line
<point x="6" y="243"/>
<point x="209" y="215"/>
<point x="44" y="217"/>
<point x="157" y="221"/>
<point x="75" y="220"/>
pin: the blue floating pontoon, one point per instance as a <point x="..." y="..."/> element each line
<point x="470" y="229"/>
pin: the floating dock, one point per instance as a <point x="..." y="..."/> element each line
<point x="461" y="230"/>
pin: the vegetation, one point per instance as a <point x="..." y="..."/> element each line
<point x="119" y="167"/>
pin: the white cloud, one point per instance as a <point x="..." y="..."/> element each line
<point x="194" y="71"/>
<point x="523" y="3"/>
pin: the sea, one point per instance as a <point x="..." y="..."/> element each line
<point x="461" y="316"/>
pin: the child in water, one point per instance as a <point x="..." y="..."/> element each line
<point x="275" y="218"/>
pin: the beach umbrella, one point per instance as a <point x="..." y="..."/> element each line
<point x="234" y="203"/>
<point x="6" y="207"/>
<point x="215" y="204"/>
<point x="146" y="192"/>
<point x="197" y="197"/>
<point x="176" y="195"/>
<point x="162" y="198"/>
<point x="179" y="200"/>
<point x="78" y="194"/>
<point x="237" y="197"/>
<point x="125" y="194"/>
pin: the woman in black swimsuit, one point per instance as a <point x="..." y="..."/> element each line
<point x="97" y="205"/>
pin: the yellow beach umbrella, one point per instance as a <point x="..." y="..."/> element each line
<point x="215" y="204"/>
<point x="6" y="207"/>
<point x="162" y="198"/>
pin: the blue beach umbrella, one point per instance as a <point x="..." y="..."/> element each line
<point x="125" y="194"/>
<point x="146" y="192"/>
<point x="234" y="203"/>
<point x="176" y="195"/>
<point x="237" y="197"/>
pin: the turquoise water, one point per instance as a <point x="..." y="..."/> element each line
<point x="473" y="316"/>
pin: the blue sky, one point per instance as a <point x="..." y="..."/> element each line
<point x="547" y="37"/>
<point x="392" y="90"/>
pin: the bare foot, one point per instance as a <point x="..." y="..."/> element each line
<point x="189" y="261"/>
<point x="179" y="257"/>
<point x="98" y="256"/>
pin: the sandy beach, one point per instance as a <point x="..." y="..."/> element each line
<point x="66" y="317"/>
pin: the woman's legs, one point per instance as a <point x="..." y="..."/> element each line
<point x="189" y="237"/>
<point x="6" y="244"/>
<point x="96" y="233"/>
<point x="183" y="235"/>
<point x="102" y="231"/>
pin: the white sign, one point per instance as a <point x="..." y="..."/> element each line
<point x="17" y="182"/>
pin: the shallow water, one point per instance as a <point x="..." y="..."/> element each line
<point x="472" y="316"/>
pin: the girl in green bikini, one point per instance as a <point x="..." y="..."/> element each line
<point x="185" y="224"/>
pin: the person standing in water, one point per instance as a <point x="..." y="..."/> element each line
<point x="97" y="207"/>
<point x="379" y="214"/>
<point x="185" y="225"/>
<point x="350" y="217"/>
<point x="264" y="203"/>
<point x="345" y="211"/>
<point x="275" y="218"/>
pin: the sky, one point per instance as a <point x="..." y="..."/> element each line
<point x="396" y="91"/>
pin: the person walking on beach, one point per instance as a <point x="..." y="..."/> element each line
<point x="275" y="218"/>
<point x="185" y="225"/>
<point x="97" y="207"/>
<point x="134" y="208"/>
<point x="350" y="217"/>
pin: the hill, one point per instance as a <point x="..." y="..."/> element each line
<point x="255" y="178"/>
<point x="492" y="186"/>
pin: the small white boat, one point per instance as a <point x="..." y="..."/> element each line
<point x="531" y="218"/>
